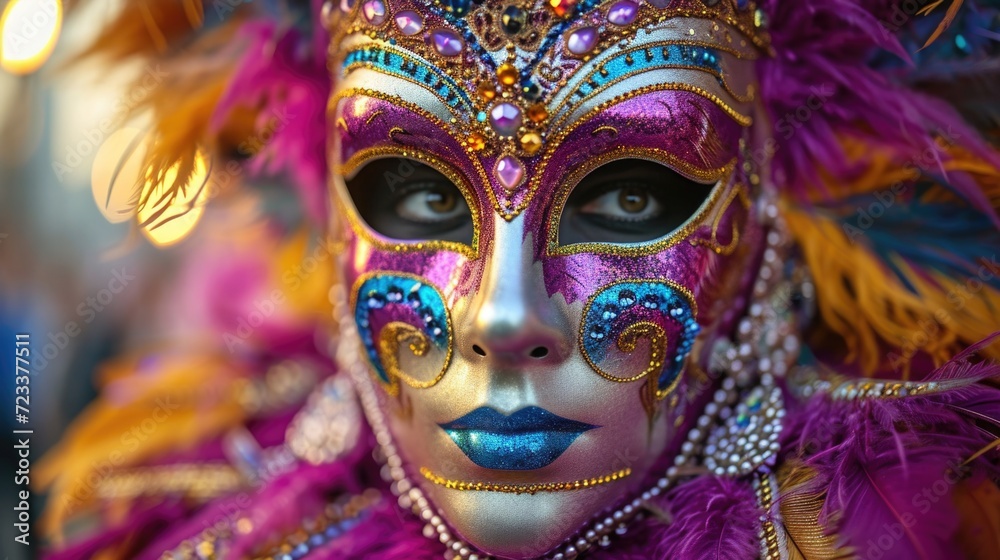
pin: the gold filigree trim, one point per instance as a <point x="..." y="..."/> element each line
<point x="392" y="337"/>
<point x="411" y="58"/>
<point x="740" y="118"/>
<point x="535" y="488"/>
<point x="738" y="191"/>
<point x="627" y="343"/>
<point x="364" y="231"/>
<point x="405" y="151"/>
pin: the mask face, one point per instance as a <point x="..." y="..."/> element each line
<point x="544" y="231"/>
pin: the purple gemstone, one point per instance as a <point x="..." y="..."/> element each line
<point x="506" y="119"/>
<point x="409" y="22"/>
<point x="347" y="5"/>
<point x="623" y="12"/>
<point x="446" y="42"/>
<point x="510" y="172"/>
<point x="582" y="41"/>
<point x="374" y="11"/>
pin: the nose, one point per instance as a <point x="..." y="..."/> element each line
<point x="511" y="320"/>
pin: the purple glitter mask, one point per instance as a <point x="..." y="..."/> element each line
<point x="532" y="381"/>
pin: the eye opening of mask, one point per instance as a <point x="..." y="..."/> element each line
<point x="629" y="202"/>
<point x="408" y="200"/>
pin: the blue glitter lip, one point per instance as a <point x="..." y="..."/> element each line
<point x="530" y="438"/>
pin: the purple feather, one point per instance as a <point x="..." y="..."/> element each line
<point x="961" y="368"/>
<point x="708" y="518"/>
<point x="890" y="467"/>
<point x="818" y="88"/>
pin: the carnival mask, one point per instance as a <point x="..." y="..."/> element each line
<point x="545" y="210"/>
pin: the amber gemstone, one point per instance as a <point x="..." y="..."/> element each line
<point x="487" y="91"/>
<point x="507" y="74"/>
<point x="537" y="112"/>
<point x="476" y="141"/>
<point x="561" y="7"/>
<point x="531" y="143"/>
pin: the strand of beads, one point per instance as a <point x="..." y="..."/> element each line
<point x="767" y="338"/>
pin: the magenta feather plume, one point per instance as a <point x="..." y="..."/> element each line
<point x="965" y="367"/>
<point x="283" y="73"/>
<point x="713" y="518"/>
<point x="386" y="533"/>
<point x="819" y="87"/>
<point x="879" y="500"/>
<point x="281" y="507"/>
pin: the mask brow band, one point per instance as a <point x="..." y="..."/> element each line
<point x="662" y="55"/>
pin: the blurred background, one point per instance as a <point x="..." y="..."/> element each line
<point x="81" y="277"/>
<point x="56" y="248"/>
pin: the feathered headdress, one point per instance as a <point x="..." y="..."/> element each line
<point x="882" y="114"/>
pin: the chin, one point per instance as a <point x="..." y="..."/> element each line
<point x="521" y="525"/>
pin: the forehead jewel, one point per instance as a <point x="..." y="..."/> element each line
<point x="533" y="38"/>
<point x="507" y="73"/>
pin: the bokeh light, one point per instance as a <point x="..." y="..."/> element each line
<point x="117" y="172"/>
<point x="29" y="30"/>
<point x="171" y="221"/>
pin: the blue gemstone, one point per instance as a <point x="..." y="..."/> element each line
<point x="610" y="312"/>
<point x="316" y="539"/>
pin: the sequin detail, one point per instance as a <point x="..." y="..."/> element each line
<point x="618" y="308"/>
<point x="384" y="300"/>
<point x="389" y="62"/>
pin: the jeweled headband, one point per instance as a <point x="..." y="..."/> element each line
<point x="511" y="79"/>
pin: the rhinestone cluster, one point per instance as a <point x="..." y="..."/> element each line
<point x="749" y="434"/>
<point x="612" y="310"/>
<point x="328" y="425"/>
<point x="493" y="54"/>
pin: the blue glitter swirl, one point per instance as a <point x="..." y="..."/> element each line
<point x="393" y="63"/>
<point x="634" y="62"/>
<point x="600" y="329"/>
<point x="383" y="290"/>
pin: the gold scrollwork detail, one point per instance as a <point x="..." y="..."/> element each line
<point x="390" y="340"/>
<point x="739" y="191"/>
